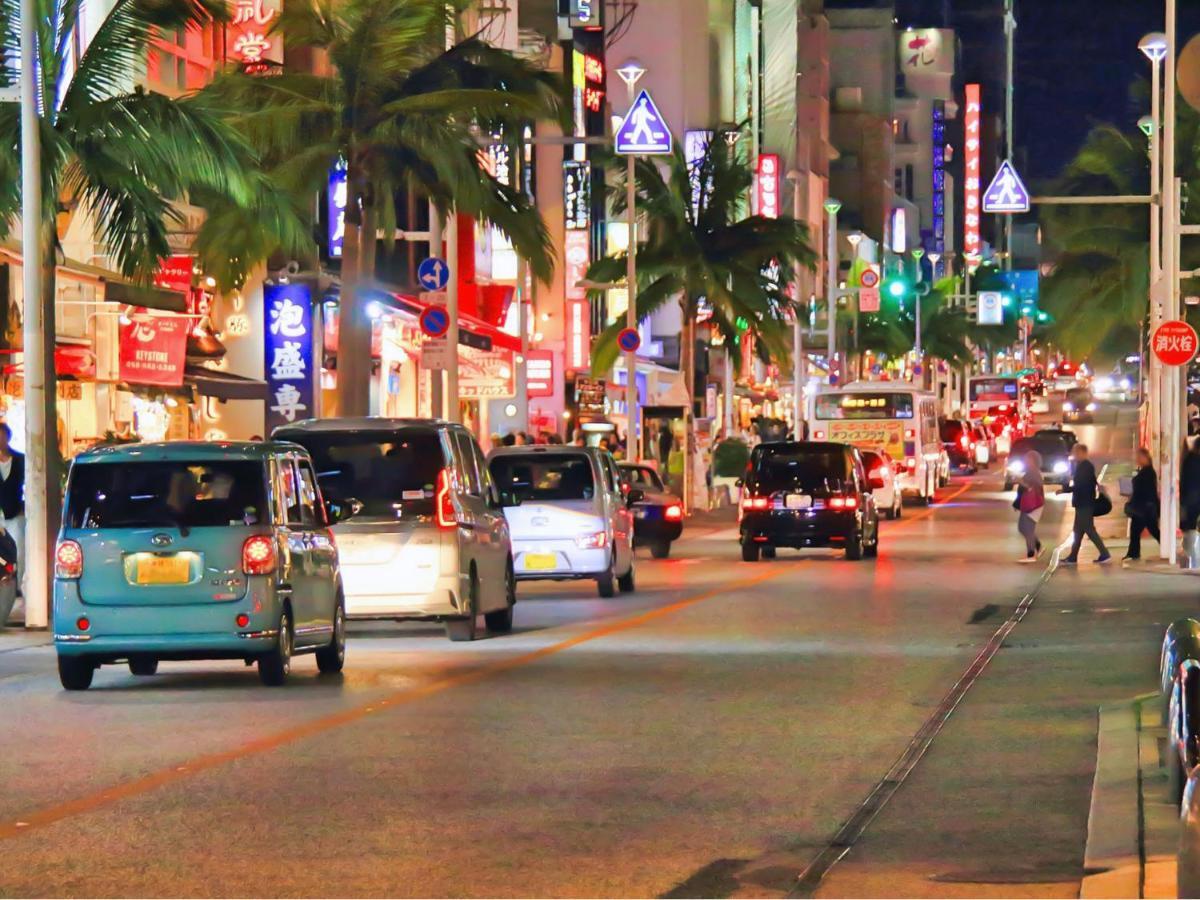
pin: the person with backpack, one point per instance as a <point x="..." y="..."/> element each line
<point x="1031" y="500"/>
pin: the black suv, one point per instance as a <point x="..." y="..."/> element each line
<point x="807" y="494"/>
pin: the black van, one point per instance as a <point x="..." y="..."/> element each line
<point x="807" y="494"/>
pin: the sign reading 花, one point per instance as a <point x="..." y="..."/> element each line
<point x="249" y="39"/>
<point x="766" y="185"/>
<point x="1174" y="343"/>
<point x="288" y="342"/>
<point x="577" y="195"/>
<point x="972" y="243"/>
<point x="926" y="50"/>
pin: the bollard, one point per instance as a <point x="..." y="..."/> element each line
<point x="1191" y="550"/>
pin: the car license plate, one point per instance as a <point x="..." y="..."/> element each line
<point x="639" y="513"/>
<point x="540" y="561"/>
<point x="798" y="501"/>
<point x="163" y="569"/>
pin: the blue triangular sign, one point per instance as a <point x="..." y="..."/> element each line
<point x="643" y="130"/>
<point x="1006" y="193"/>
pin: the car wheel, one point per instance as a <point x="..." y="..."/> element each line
<point x="500" y="621"/>
<point x="626" y="582"/>
<point x="768" y="552"/>
<point x="854" y="546"/>
<point x="75" y="672"/>
<point x="660" y="549"/>
<point x="750" y="552"/>
<point x="332" y="657"/>
<point x="275" y="665"/>
<point x="143" y="666"/>
<point x="872" y="550"/>
<point x="465" y="629"/>
<point x="604" y="585"/>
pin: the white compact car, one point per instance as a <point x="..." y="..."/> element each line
<point x="888" y="499"/>
<point x="567" y="514"/>
<point x="427" y="538"/>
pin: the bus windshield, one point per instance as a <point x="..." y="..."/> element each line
<point x="864" y="405"/>
<point x="993" y="389"/>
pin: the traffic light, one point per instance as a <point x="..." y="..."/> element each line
<point x="898" y="287"/>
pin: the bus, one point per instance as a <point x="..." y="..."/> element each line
<point x="986" y="391"/>
<point x="891" y="417"/>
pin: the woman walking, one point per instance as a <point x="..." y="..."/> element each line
<point x="1142" y="507"/>
<point x="1031" y="499"/>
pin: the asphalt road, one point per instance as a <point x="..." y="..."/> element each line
<point x="706" y="735"/>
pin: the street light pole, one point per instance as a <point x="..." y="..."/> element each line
<point x="1170" y="410"/>
<point x="1154" y="46"/>
<point x="831" y="289"/>
<point x="631" y="73"/>
<point x="917" y="254"/>
<point x="798" y="367"/>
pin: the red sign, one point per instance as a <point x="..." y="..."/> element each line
<point x="175" y="274"/>
<point x="868" y="299"/>
<point x="868" y="277"/>
<point x="249" y="36"/>
<point x="75" y="361"/>
<point x="152" y="349"/>
<point x="579" y="312"/>
<point x="972" y="244"/>
<point x="1174" y="343"/>
<point x="593" y="76"/>
<point x="539" y="374"/>
<point x="766" y="185"/>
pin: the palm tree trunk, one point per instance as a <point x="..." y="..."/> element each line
<point x="354" y="325"/>
<point x="687" y="360"/>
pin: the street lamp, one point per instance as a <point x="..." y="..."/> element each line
<point x="631" y="73"/>
<point x="732" y="136"/>
<point x="831" y="266"/>
<point x="917" y="254"/>
<point x="798" y="366"/>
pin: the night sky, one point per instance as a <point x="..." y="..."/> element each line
<point x="1075" y="63"/>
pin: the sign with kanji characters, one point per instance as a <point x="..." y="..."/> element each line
<point x="766" y="185"/>
<point x="1007" y="192"/>
<point x="972" y="155"/>
<point x="152" y="349"/>
<point x="249" y="38"/>
<point x="1174" y="343"/>
<point x="868" y="299"/>
<point x="539" y="374"/>
<point x="643" y="131"/>
<point x="288" y="343"/>
<point x="335" y="200"/>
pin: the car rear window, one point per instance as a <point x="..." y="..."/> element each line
<point x="781" y="468"/>
<point x="642" y="477"/>
<point x="166" y="494"/>
<point x="545" y="476"/>
<point x="393" y="473"/>
<point x="951" y="431"/>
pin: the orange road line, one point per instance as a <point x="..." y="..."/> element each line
<point x="171" y="774"/>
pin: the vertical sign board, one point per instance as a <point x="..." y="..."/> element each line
<point x="578" y="324"/>
<point x="766" y="186"/>
<point x="577" y="195"/>
<point x="288" y="342"/>
<point x="938" y="159"/>
<point x="151" y="349"/>
<point x="972" y="244"/>
<point x="248" y="36"/>
<point x="539" y="374"/>
<point x="336" y="209"/>
<point x="695" y="147"/>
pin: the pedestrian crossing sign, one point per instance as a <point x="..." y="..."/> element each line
<point x="1006" y="193"/>
<point x="643" y="131"/>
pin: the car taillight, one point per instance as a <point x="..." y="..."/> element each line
<point x="592" y="541"/>
<point x="756" y="503"/>
<point x="963" y="440"/>
<point x="910" y="463"/>
<point x="68" y="560"/>
<point x="673" y="513"/>
<point x="819" y="435"/>
<point x="843" y="502"/>
<point x="909" y="433"/>
<point x="258" y="555"/>
<point x="444" y="502"/>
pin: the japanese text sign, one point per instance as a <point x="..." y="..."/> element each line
<point x="288" y="341"/>
<point x="972" y="134"/>
<point x="152" y="349"/>
<point x="1174" y="343"/>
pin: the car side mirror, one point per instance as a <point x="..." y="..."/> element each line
<point x="634" y="495"/>
<point x="741" y="482"/>
<point x="340" y="512"/>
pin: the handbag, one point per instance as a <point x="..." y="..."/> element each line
<point x="1016" y="504"/>
<point x="1103" y="504"/>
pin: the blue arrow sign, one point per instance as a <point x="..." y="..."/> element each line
<point x="643" y="131"/>
<point x="433" y="273"/>
<point x="1006" y="193"/>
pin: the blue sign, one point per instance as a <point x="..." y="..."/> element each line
<point x="643" y="130"/>
<point x="629" y="340"/>
<point x="336" y="208"/>
<point x="433" y="273"/>
<point x="435" y="321"/>
<point x="288" y="340"/>
<point x="937" y="243"/>
<point x="1006" y="193"/>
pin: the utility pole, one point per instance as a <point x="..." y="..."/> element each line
<point x="1171" y="409"/>
<point x="798" y="367"/>
<point x="631" y="73"/>
<point x="831" y="282"/>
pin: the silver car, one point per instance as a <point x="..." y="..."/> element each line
<point x="424" y="535"/>
<point x="567" y="513"/>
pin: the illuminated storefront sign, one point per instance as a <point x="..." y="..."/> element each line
<point x="249" y="39"/>
<point x="336" y="199"/>
<point x="939" y="178"/>
<point x="593" y="83"/>
<point x="926" y="50"/>
<point x="585" y="13"/>
<point x="485" y="374"/>
<point x="578" y="332"/>
<point x="695" y="146"/>
<point x="577" y="195"/>
<point x="899" y="230"/>
<point x="288" y="341"/>
<point x="766" y="185"/>
<point x="972" y="244"/>
<point x="152" y="349"/>
<point x="539" y="374"/>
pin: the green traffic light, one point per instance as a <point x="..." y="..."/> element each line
<point x="897" y="288"/>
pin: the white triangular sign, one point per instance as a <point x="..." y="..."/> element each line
<point x="643" y="131"/>
<point x="1006" y="193"/>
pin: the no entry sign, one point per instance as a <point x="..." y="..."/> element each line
<point x="629" y="340"/>
<point x="1174" y="343"/>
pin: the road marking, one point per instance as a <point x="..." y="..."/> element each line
<point x="179" y="771"/>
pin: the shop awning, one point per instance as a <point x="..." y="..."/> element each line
<point x="472" y="332"/>
<point x="147" y="297"/>
<point x="224" y="385"/>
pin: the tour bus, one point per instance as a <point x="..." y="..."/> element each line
<point x="888" y="416"/>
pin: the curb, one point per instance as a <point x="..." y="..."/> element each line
<point x="1112" y="863"/>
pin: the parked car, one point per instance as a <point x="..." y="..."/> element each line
<point x="1056" y="460"/>
<point x="658" y="515"/>
<point x="1079" y="405"/>
<point x="569" y="518"/>
<point x="808" y="494"/>
<point x="428" y="540"/>
<point x="888" y="496"/>
<point x="959" y="443"/>
<point x="188" y="550"/>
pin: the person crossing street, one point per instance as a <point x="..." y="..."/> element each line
<point x="1084" y="491"/>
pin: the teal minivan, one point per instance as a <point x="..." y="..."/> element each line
<point x="190" y="550"/>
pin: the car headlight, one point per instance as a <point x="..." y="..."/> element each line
<point x="1017" y="467"/>
<point x="1069" y="406"/>
<point x="1126" y="384"/>
<point x="1104" y="384"/>
<point x="1091" y="407"/>
<point x="1061" y="467"/>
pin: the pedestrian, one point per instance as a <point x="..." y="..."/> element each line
<point x="12" y="495"/>
<point x="666" y="442"/>
<point x="509" y="440"/>
<point x="1189" y="487"/>
<point x="1031" y="501"/>
<point x="1142" y="507"/>
<point x="1084" y="488"/>
<point x="495" y="441"/>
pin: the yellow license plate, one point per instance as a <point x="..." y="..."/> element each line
<point x="540" y="560"/>
<point x="163" y="570"/>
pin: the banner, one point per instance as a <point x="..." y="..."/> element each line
<point x="152" y="349"/>
<point x="288" y="344"/>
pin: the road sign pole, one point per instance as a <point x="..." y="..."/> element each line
<point x="632" y="431"/>
<point x="455" y="410"/>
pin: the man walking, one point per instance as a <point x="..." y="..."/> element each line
<point x="1083" y="499"/>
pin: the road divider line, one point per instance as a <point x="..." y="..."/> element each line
<point x="168" y="775"/>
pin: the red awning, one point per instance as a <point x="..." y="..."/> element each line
<point x="466" y="322"/>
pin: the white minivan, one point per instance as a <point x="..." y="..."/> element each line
<point x="567" y="514"/>
<point x="426" y="536"/>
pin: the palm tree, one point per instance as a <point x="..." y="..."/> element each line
<point x="402" y="113"/>
<point x="698" y="245"/>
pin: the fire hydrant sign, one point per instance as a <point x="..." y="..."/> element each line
<point x="1174" y="343"/>
<point x="152" y="349"/>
